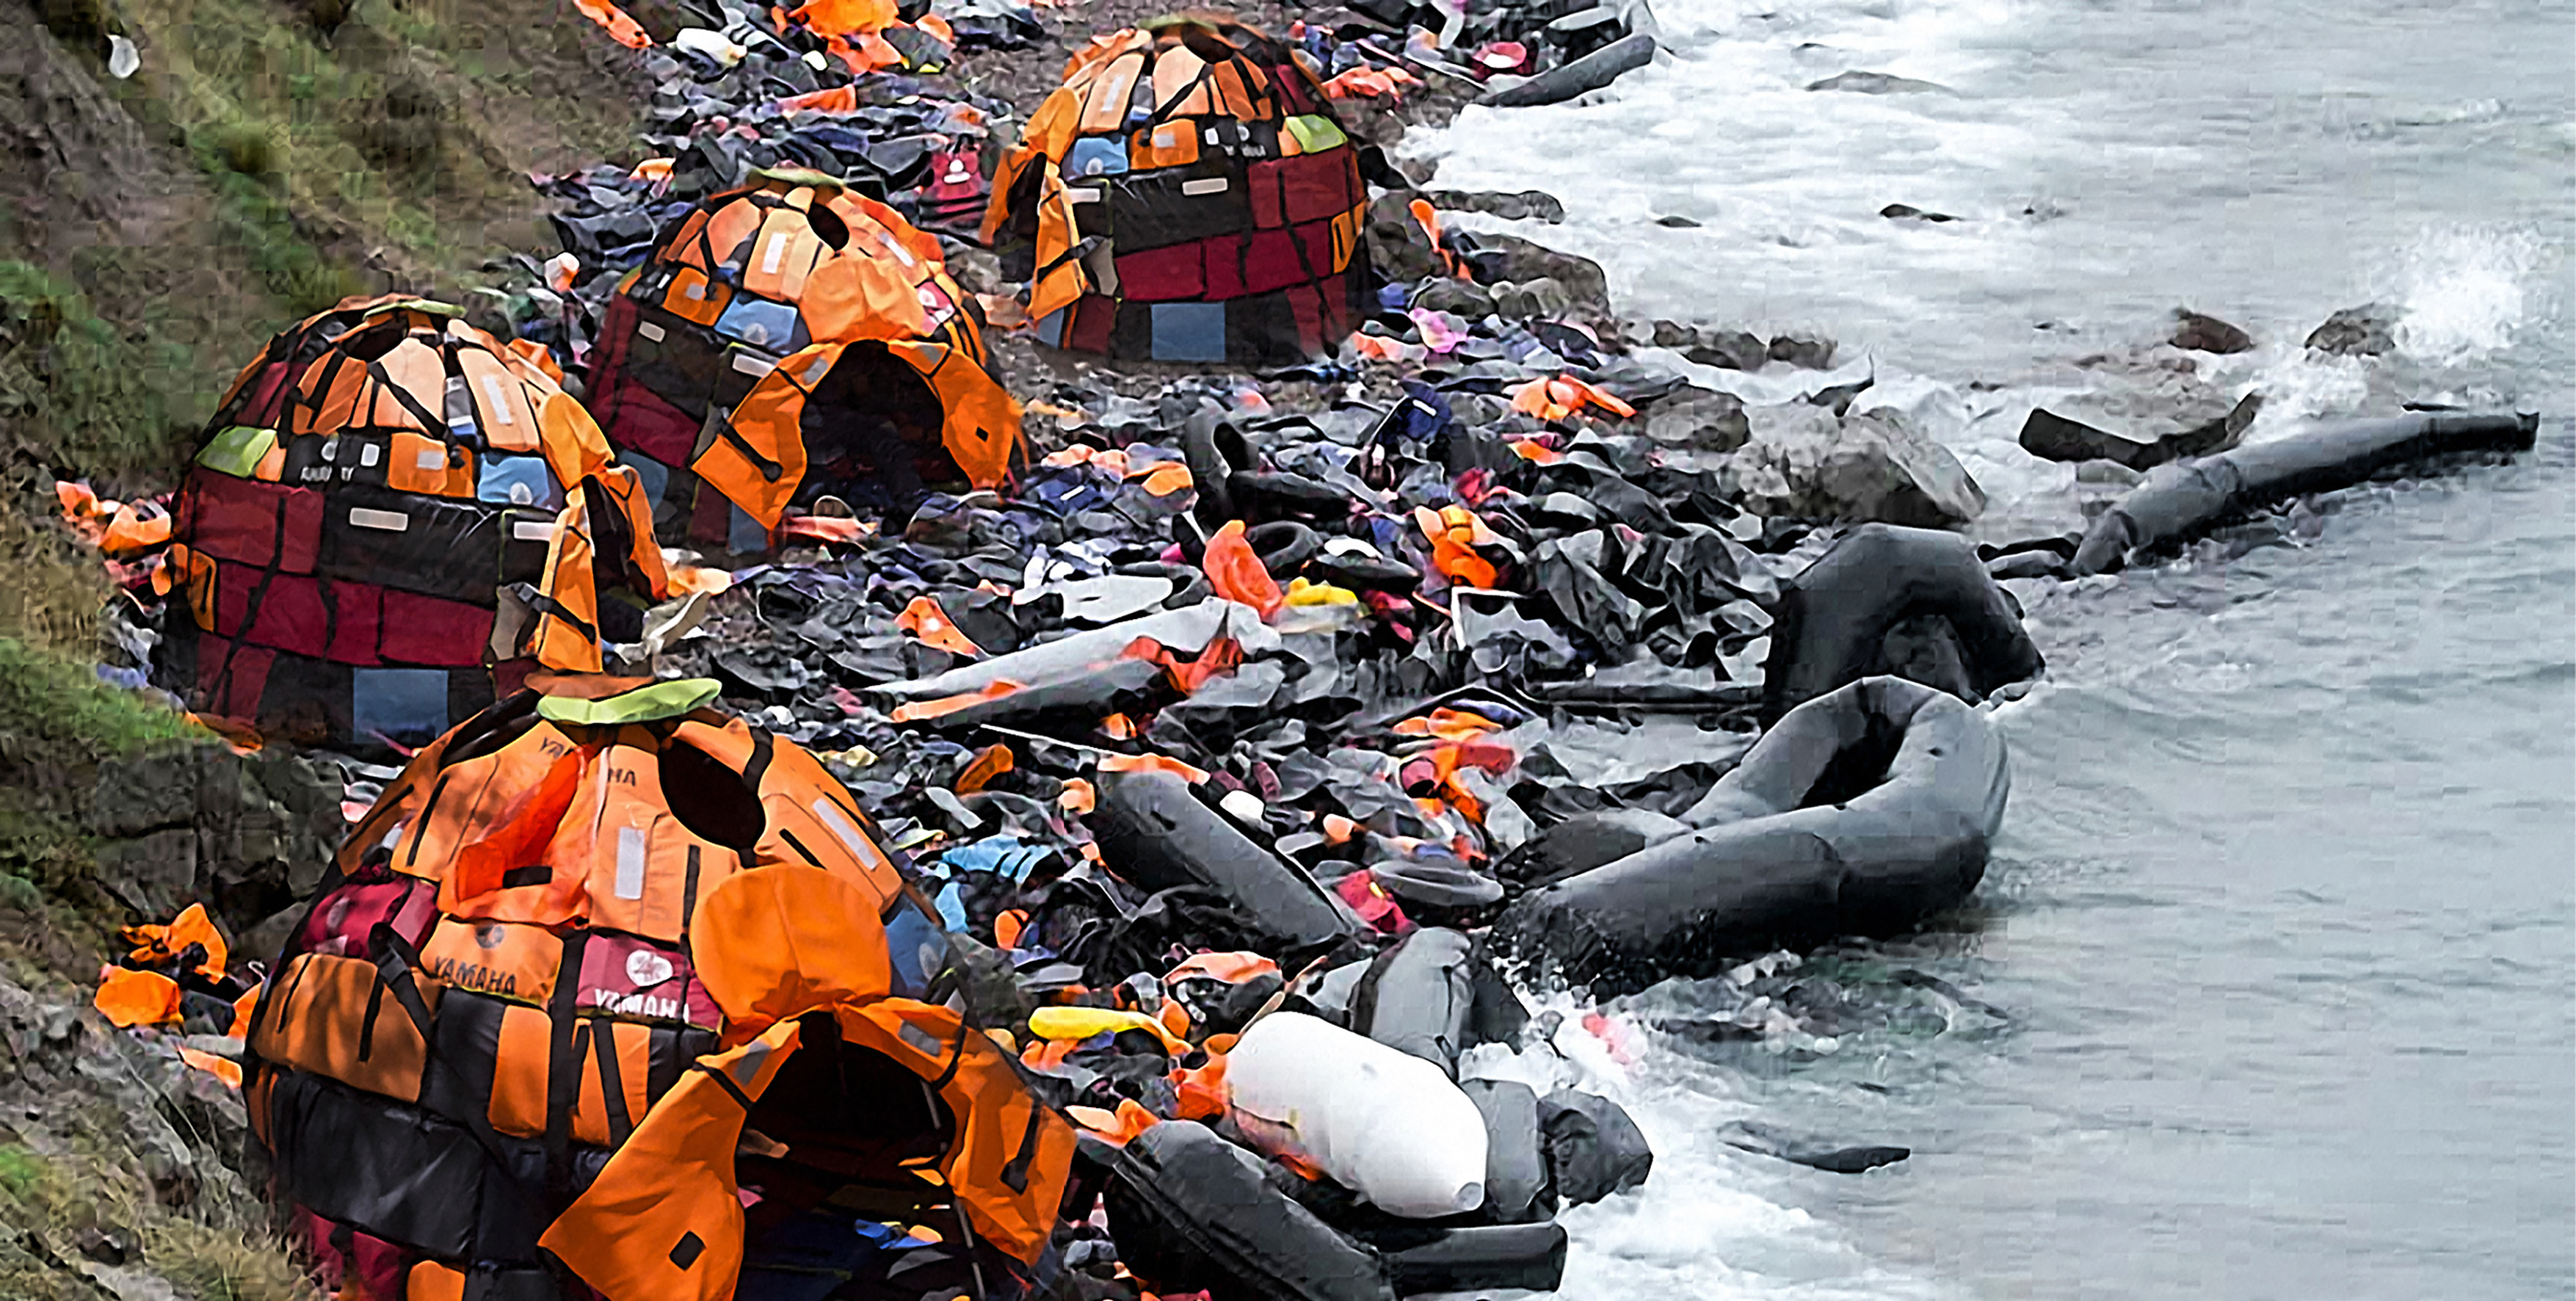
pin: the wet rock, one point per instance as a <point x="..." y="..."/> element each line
<point x="1699" y="419"/>
<point x="2140" y="429"/>
<point x="1510" y="207"/>
<point x="1523" y="261"/>
<point x="1803" y="463"/>
<point x="2367" y="331"/>
<point x="1819" y="1154"/>
<point x="1460" y="298"/>
<point x="1805" y="349"/>
<point x="1908" y="212"/>
<point x="1677" y="222"/>
<point x="2194" y="332"/>
<point x="1879" y="83"/>
<point x="1540" y="299"/>
<point x="1729" y="350"/>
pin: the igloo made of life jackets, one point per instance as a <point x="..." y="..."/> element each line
<point x="789" y="340"/>
<point x="1190" y="196"/>
<point x="393" y="517"/>
<point x="609" y="984"/>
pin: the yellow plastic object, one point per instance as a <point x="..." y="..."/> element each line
<point x="1079" y="1023"/>
<point x="1301" y="592"/>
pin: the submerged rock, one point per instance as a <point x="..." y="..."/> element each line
<point x="1729" y="350"/>
<point x="1879" y="83"/>
<point x="2366" y="331"/>
<point x="1510" y="207"/>
<point x="1908" y="212"/>
<point x="1805" y="349"/>
<point x="2195" y="332"/>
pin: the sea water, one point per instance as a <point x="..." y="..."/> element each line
<point x="2267" y="990"/>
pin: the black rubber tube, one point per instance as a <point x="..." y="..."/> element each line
<point x="1832" y="621"/>
<point x="1190" y="1210"/>
<point x="1155" y="833"/>
<point x="1528" y="1256"/>
<point x="2181" y="499"/>
<point x="1582" y="76"/>
<point x="1418" y="997"/>
<point x="1864" y="811"/>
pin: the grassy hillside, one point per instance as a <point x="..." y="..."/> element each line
<point x="268" y="158"/>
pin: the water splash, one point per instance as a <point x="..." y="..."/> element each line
<point x="2466" y="293"/>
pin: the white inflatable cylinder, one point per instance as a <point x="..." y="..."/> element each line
<point x="1385" y="1124"/>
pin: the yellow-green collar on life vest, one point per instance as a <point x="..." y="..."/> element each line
<point x="238" y="451"/>
<point x="801" y="176"/>
<point x="642" y="705"/>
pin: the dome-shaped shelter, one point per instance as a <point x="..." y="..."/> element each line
<point x="393" y="516"/>
<point x="613" y="991"/>
<point x="1187" y="195"/>
<point x="791" y="340"/>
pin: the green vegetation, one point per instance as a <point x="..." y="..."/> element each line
<point x="50" y="1202"/>
<point x="57" y="711"/>
<point x="104" y="401"/>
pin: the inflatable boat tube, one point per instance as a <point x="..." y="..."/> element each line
<point x="1191" y="1211"/>
<point x="1515" y="1168"/>
<point x="2185" y="497"/>
<point x="1832" y="623"/>
<point x="1388" y="1126"/>
<point x="1862" y="812"/>
<point x="1154" y="833"/>
<point x="1593" y="1149"/>
<point x="1530" y="1256"/>
<point x="1187" y="630"/>
<point x="1589" y="840"/>
<point x="1580" y="77"/>
<point x="1420" y="998"/>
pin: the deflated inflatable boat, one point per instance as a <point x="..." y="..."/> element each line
<point x="1862" y="812"/>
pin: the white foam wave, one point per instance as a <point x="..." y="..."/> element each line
<point x="1711" y="1222"/>
<point x="2466" y="293"/>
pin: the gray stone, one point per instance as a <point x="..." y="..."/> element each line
<point x="144" y="793"/>
<point x="1729" y="350"/>
<point x="2194" y="332"/>
<point x="1699" y="419"/>
<point x="1461" y="298"/>
<point x="1510" y="207"/>
<point x="1878" y="83"/>
<point x="1677" y="222"/>
<point x="1908" y="212"/>
<point x="1582" y="277"/>
<point x="2367" y="331"/>
<point x="1803" y="463"/>
<point x="1540" y="299"/>
<point x="1803" y="348"/>
<point x="155" y="875"/>
<point x="2140" y="429"/>
<point x="1673" y="334"/>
